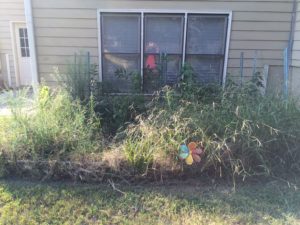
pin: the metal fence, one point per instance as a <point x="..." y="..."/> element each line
<point x="5" y="74"/>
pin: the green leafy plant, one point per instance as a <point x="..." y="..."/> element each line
<point x="117" y="112"/>
<point x="52" y="125"/>
<point x="133" y="76"/>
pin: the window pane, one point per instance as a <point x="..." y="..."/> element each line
<point x="26" y="42"/>
<point x="121" y="33"/>
<point x="207" y="69"/>
<point x="172" y="70"/>
<point x="25" y="33"/>
<point x="112" y="63"/>
<point x="163" y="33"/>
<point x="161" y="70"/>
<point x="21" y="32"/>
<point x="27" y="52"/>
<point x="22" y="42"/>
<point x="23" y="52"/>
<point x="206" y="34"/>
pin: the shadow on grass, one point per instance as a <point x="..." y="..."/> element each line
<point x="181" y="203"/>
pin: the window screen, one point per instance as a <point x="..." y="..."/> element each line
<point x="162" y="48"/>
<point x="120" y="35"/>
<point x="24" y="42"/>
<point x="163" y="44"/>
<point x="205" y="46"/>
<point x="167" y="71"/>
<point x="208" y="69"/>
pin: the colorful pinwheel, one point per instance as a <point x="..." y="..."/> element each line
<point x="191" y="152"/>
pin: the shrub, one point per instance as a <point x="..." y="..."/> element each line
<point x="49" y="126"/>
<point x="116" y="112"/>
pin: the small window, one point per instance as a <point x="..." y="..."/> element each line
<point x="120" y="50"/>
<point x="163" y="47"/>
<point x="205" y="46"/>
<point x="24" y="45"/>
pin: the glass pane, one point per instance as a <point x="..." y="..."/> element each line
<point x="207" y="69"/>
<point x="161" y="70"/>
<point x="25" y="33"/>
<point x="22" y="42"/>
<point x="26" y="42"/>
<point x="23" y="52"/>
<point x="206" y="34"/>
<point x="21" y="32"/>
<point x="121" y="33"/>
<point x="27" y="52"/>
<point x="173" y="69"/>
<point x="164" y="33"/>
<point x="117" y="71"/>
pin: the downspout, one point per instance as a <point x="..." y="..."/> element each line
<point x="31" y="40"/>
<point x="8" y="70"/>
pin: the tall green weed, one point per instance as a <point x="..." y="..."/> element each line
<point x="244" y="132"/>
<point x="51" y="125"/>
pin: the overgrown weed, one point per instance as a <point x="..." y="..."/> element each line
<point x="52" y="126"/>
<point x="244" y="132"/>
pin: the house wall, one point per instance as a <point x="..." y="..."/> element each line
<point x="295" y="70"/>
<point x="296" y="45"/>
<point x="63" y="27"/>
<point x="10" y="10"/>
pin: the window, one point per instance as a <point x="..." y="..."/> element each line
<point x="163" y="48"/>
<point x="120" y="50"/>
<point x="24" y="42"/>
<point x="155" y="46"/>
<point x="205" y="46"/>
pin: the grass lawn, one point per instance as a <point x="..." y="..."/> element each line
<point x="186" y="202"/>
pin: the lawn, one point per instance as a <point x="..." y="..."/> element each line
<point x="179" y="202"/>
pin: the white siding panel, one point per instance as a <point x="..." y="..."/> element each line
<point x="261" y="26"/>
<point x="66" y="32"/>
<point x="261" y="54"/>
<point x="67" y="42"/>
<point x="65" y="23"/>
<point x="248" y="63"/>
<point x="262" y="16"/>
<point x="64" y="51"/>
<point x="259" y="35"/>
<point x="61" y="60"/>
<point x="258" y="45"/>
<point x="256" y="6"/>
<point x="65" y="13"/>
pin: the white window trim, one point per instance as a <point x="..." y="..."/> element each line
<point x="31" y="41"/>
<point x="12" y="25"/>
<point x="185" y="12"/>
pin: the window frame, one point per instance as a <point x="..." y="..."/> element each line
<point x="24" y="38"/>
<point x="206" y="55"/>
<point x="119" y="52"/>
<point x="142" y="13"/>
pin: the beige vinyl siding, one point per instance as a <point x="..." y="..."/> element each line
<point x="63" y="27"/>
<point x="296" y="44"/>
<point x="295" y="70"/>
<point x="10" y="10"/>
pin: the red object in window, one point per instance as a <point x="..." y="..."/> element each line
<point x="150" y="62"/>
